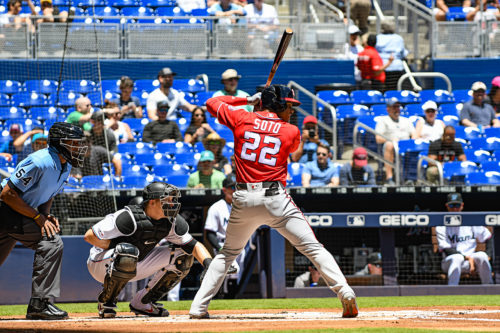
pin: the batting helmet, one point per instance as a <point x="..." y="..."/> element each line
<point x="68" y="140"/>
<point x="276" y="96"/>
<point x="168" y="194"/>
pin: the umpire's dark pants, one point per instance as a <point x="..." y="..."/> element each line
<point x="48" y="252"/>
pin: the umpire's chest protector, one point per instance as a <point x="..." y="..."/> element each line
<point x="147" y="234"/>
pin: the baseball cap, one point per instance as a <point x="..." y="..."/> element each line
<point x="207" y="155"/>
<point x="496" y="81"/>
<point x="478" y="85"/>
<point x="454" y="198"/>
<point x="310" y="119"/>
<point x="375" y="258"/>
<point x="16" y="128"/>
<point x="353" y="30"/>
<point x="38" y="136"/>
<point x="229" y="74"/>
<point x="229" y="181"/>
<point x="49" y="1"/>
<point x="429" y="105"/>
<point x="393" y="101"/>
<point x="360" y="157"/>
<point x="166" y="71"/>
<point x="163" y="105"/>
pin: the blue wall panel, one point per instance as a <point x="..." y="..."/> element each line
<point x="464" y="72"/>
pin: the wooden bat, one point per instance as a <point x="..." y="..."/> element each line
<point x="285" y="40"/>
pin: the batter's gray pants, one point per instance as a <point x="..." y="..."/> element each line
<point x="456" y="264"/>
<point x="252" y="209"/>
<point x="47" y="261"/>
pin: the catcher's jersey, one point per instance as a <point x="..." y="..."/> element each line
<point x="262" y="141"/>
<point x="463" y="239"/>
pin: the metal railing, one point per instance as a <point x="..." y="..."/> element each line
<point x="397" y="159"/>
<point x="331" y="108"/>
<point x="431" y="162"/>
<point x="426" y="74"/>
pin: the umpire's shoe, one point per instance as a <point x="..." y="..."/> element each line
<point x="350" y="306"/>
<point x="42" y="309"/>
<point x="106" y="310"/>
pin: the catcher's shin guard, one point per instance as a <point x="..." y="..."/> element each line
<point x="167" y="278"/>
<point x="122" y="270"/>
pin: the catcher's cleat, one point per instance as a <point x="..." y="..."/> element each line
<point x="106" y="310"/>
<point x="199" y="316"/>
<point x="150" y="309"/>
<point x="350" y="307"/>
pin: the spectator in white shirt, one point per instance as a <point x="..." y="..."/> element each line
<point x="428" y="127"/>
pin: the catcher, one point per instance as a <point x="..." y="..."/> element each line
<point x="139" y="241"/>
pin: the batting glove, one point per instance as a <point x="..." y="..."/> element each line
<point x="234" y="268"/>
<point x="254" y="100"/>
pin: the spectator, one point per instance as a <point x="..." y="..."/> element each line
<point x="206" y="176"/>
<point x="13" y="19"/>
<point x="476" y="113"/>
<point x="121" y="130"/>
<point x="214" y="143"/>
<point x="391" y="48"/>
<point x="360" y="9"/>
<point x="198" y="128"/>
<point x="263" y="22"/>
<point x="321" y="172"/>
<point x="394" y="128"/>
<point x="493" y="97"/>
<point x="357" y="171"/>
<point x="188" y="5"/>
<point x="95" y="157"/>
<point x="374" y="265"/>
<point x="309" y="141"/>
<point x="38" y="141"/>
<point x="166" y="93"/>
<point x="444" y="150"/>
<point x="101" y="135"/>
<point x="130" y="106"/>
<point x="489" y="13"/>
<point x="371" y="66"/>
<point x="230" y="79"/>
<point x="442" y="7"/>
<point x="308" y="279"/>
<point x="51" y="13"/>
<point x="162" y="129"/>
<point x="227" y="10"/>
<point x="352" y="49"/>
<point x="81" y="115"/>
<point x="458" y="245"/>
<point x="8" y="148"/>
<point x="428" y="127"/>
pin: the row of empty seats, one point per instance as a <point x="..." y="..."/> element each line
<point x="102" y="3"/>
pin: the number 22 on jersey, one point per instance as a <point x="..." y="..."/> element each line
<point x="267" y="153"/>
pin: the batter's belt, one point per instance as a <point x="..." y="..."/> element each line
<point x="272" y="188"/>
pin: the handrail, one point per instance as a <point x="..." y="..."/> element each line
<point x="414" y="84"/>
<point x="332" y="8"/>
<point x="425" y="74"/>
<point x="436" y="163"/>
<point x="333" y="129"/>
<point x="204" y="78"/>
<point x="379" y="14"/>
<point x="396" y="164"/>
<point x="313" y="13"/>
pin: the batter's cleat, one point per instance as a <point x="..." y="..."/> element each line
<point x="199" y="316"/>
<point x="42" y="309"/>
<point x="150" y="309"/>
<point x="106" y="310"/>
<point x="350" y="307"/>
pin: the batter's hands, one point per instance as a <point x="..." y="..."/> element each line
<point x="255" y="99"/>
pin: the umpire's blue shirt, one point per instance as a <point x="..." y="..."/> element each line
<point x="39" y="177"/>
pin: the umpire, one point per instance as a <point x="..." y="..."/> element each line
<point x="25" y="201"/>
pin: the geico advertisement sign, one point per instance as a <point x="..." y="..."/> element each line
<point x="320" y="220"/>
<point x="492" y="219"/>
<point x="403" y="220"/>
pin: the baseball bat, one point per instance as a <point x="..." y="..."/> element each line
<point x="285" y="40"/>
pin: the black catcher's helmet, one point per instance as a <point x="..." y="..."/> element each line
<point x="68" y="140"/>
<point x="276" y="96"/>
<point x="168" y="194"/>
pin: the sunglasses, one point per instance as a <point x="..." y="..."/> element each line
<point x="430" y="111"/>
<point x="454" y="205"/>
<point x="163" y="110"/>
<point x="198" y="115"/>
<point x="215" y="143"/>
<point x="40" y="142"/>
<point x="322" y="154"/>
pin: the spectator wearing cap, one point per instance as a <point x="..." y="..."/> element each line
<point x="428" y="127"/>
<point x="100" y="134"/>
<point x="165" y="92"/>
<point x="373" y="266"/>
<point x="352" y="49"/>
<point x="130" y="106"/>
<point x="162" y="129"/>
<point x="310" y="278"/>
<point x="493" y="97"/>
<point x="230" y="79"/>
<point x="477" y="113"/>
<point x="51" y="13"/>
<point x="371" y="66"/>
<point x="81" y="115"/>
<point x="321" y="172"/>
<point x="360" y="9"/>
<point x="227" y="11"/>
<point x="206" y="176"/>
<point x="8" y="148"/>
<point x="214" y="143"/>
<point x="38" y="141"/>
<point x="444" y="150"/>
<point x="357" y="171"/>
<point x="391" y="129"/>
<point x="309" y="141"/>
<point x="95" y="157"/>
<point x="458" y="246"/>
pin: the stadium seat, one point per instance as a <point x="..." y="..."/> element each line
<point x="105" y="14"/>
<point x="143" y="98"/>
<point x="28" y="124"/>
<point x="378" y="110"/>
<point x="111" y="86"/>
<point x="5" y="100"/>
<point x="189" y="85"/>
<point x="367" y="97"/>
<point x="146" y="85"/>
<point x="151" y="159"/>
<point x="137" y="182"/>
<point x="451" y="109"/>
<point x="183" y="124"/>
<point x="11" y="112"/>
<point x="96" y="182"/>
<point x="226" y="134"/>
<point x="198" y="147"/>
<point x="95" y="97"/>
<point x="199" y="12"/>
<point x="483" y="178"/>
<point x="417" y="145"/>
<point x="89" y="3"/>
<point x="65" y="98"/>
<point x="143" y="14"/>
<point x="334" y="97"/>
<point x="79" y="86"/>
<point x="456" y="14"/>
<point x="178" y="180"/>
<point x="190" y="159"/>
<point x="462" y="95"/>
<point x="134" y="148"/>
<point x="479" y="156"/>
<point x="174" y="148"/>
<point x="295" y="174"/>
<point x="412" y="110"/>
<point x="490" y="144"/>
<point x="491" y="132"/>
<point x="439" y="96"/>
<point x="123" y="3"/>
<point x="130" y="170"/>
<point x="456" y="171"/>
<point x="41" y="86"/>
<point x="404" y="96"/>
<point x="203" y="96"/>
<point x="491" y="166"/>
<point x="451" y="120"/>
<point x="27" y="99"/>
<point x="168" y="170"/>
<point x="410" y="151"/>
<point x="467" y="133"/>
<point x="347" y="115"/>
<point x="10" y="87"/>
<point x="158" y="3"/>
<point x="136" y="124"/>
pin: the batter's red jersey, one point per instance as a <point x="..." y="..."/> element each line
<point x="262" y="141"/>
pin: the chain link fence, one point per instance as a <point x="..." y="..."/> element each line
<point x="15" y="41"/>
<point x="457" y="40"/>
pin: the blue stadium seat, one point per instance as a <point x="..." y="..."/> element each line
<point x="96" y="182"/>
<point x="467" y="133"/>
<point x="451" y="120"/>
<point x="174" y="148"/>
<point x="479" y="156"/>
<point x="203" y="96"/>
<point x="95" y="97"/>
<point x="60" y="2"/>
<point x="439" y="96"/>
<point x="143" y="14"/>
<point x="352" y="111"/>
<point x="143" y="98"/>
<point x="462" y="95"/>
<point x="198" y="147"/>
<point x="226" y="134"/>
<point x="111" y="86"/>
<point x="10" y="87"/>
<point x="456" y="171"/>
<point x="27" y="99"/>
<point x="490" y="166"/>
<point x="295" y="174"/>
<point x="483" y="178"/>
<point x="334" y="97"/>
<point x="129" y="170"/>
<point x="412" y="110"/>
<point x="404" y="96"/>
<point x="492" y="131"/>
<point x="41" y="86"/>
<point x="28" y="124"/>
<point x="490" y="144"/>
<point x="346" y="116"/>
<point x="136" y="124"/>
<point x="146" y="85"/>
<point x="47" y="123"/>
<point x="190" y="159"/>
<point x="89" y="3"/>
<point x="215" y="124"/>
<point x="158" y="3"/>
<point x="152" y="159"/>
<point x="168" y="170"/>
<point x="136" y="182"/>
<point x="12" y="112"/>
<point x="105" y="14"/>
<point x="178" y="180"/>
<point x="367" y="97"/>
<point x="451" y="109"/>
<point x="134" y="148"/>
<point x="456" y="14"/>
<point x="170" y="11"/>
<point x="410" y="151"/>
<point x="66" y="98"/>
<point x="79" y="86"/>
<point x="189" y="85"/>
<point x="417" y="145"/>
<point x="199" y="12"/>
<point x="5" y="100"/>
<point x="123" y="3"/>
<point x="183" y="124"/>
<point x="378" y="110"/>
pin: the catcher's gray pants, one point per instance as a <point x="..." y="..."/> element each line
<point x="47" y="261"/>
<point x="456" y="264"/>
<point x="252" y="209"/>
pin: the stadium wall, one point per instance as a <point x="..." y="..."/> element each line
<point x="464" y="72"/>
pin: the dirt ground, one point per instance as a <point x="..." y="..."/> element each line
<point x="479" y="318"/>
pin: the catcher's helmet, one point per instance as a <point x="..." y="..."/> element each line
<point x="68" y="140"/>
<point x="276" y="96"/>
<point x="168" y="194"/>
